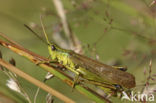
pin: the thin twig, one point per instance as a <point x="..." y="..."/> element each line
<point x="73" y="40"/>
<point x="60" y="11"/>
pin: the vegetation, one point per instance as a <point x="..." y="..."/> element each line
<point x="117" y="32"/>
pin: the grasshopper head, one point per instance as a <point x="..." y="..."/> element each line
<point x="55" y="51"/>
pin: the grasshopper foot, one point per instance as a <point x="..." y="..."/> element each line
<point x="75" y="81"/>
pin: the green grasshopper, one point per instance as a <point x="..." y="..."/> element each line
<point x="90" y="70"/>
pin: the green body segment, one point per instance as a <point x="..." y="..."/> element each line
<point x="91" y="70"/>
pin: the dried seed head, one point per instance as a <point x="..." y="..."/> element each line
<point x="49" y="98"/>
<point x="12" y="61"/>
<point x="13" y="85"/>
<point x="150" y="64"/>
<point x="152" y="3"/>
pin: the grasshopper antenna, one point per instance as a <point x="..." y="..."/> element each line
<point x="45" y="34"/>
<point x="35" y="33"/>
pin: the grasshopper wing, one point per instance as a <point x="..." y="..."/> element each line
<point x="106" y="72"/>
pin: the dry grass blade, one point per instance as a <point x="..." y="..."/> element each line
<point x="35" y="81"/>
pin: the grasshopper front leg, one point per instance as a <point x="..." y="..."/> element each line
<point x="47" y="62"/>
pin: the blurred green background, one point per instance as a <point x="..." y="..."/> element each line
<point x="130" y="42"/>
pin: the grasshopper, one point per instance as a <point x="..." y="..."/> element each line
<point x="95" y="72"/>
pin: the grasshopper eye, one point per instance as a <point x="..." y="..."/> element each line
<point x="53" y="48"/>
